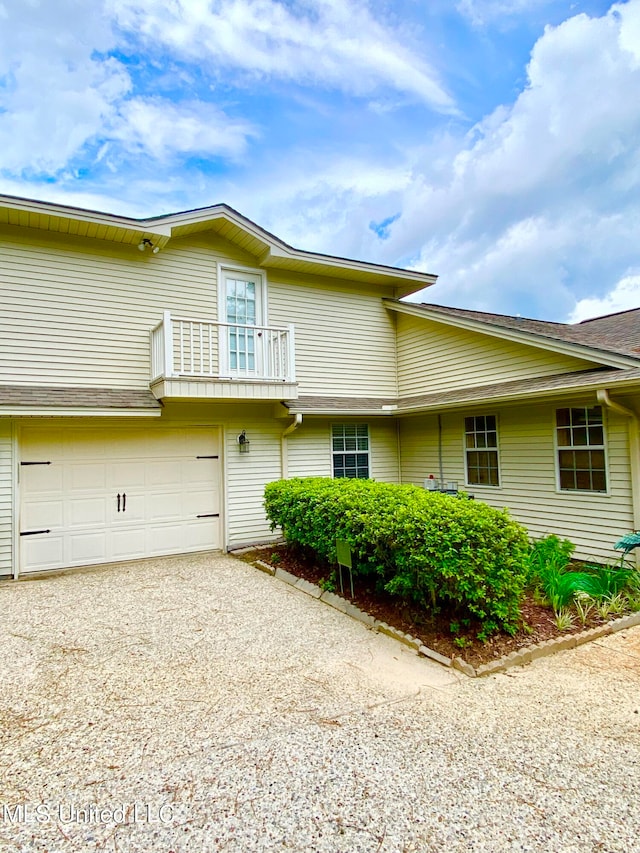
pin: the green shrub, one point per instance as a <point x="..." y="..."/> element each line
<point x="426" y="547"/>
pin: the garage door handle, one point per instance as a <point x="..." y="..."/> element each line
<point x="33" y="532"/>
<point x="124" y="502"/>
<point x="209" y="515"/>
<point x="118" y="501"/>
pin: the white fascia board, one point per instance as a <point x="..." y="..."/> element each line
<point x="39" y="412"/>
<point x="597" y="356"/>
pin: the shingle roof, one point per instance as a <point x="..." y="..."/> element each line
<point x="618" y="333"/>
<point x="30" y="396"/>
<point x="597" y="378"/>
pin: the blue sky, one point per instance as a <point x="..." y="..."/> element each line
<point x="493" y="142"/>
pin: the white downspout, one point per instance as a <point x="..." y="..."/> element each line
<point x="634" y="453"/>
<point x="284" y="460"/>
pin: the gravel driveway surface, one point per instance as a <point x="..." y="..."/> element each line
<point x="195" y="704"/>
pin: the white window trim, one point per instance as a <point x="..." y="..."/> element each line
<point x="557" y="448"/>
<point x="222" y="269"/>
<point x="331" y="451"/>
<point x="468" y="484"/>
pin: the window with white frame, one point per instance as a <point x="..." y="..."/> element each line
<point x="350" y="450"/>
<point x="581" y="449"/>
<point x="481" y="450"/>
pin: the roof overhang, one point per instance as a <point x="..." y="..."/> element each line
<point x="576" y="350"/>
<point x="515" y="392"/>
<point x="269" y="250"/>
<point x="41" y="401"/>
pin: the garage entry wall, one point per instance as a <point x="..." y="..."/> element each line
<point x="6" y="491"/>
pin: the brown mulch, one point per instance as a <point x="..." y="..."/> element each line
<point x="444" y="633"/>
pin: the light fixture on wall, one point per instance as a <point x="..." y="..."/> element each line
<point x="243" y="442"/>
<point x="146" y="243"/>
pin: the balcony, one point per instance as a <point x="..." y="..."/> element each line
<point x="211" y="360"/>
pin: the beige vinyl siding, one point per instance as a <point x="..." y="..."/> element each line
<point x="345" y="338"/>
<point x="6" y="492"/>
<point x="309" y="449"/>
<point x="436" y="357"/>
<point x="79" y="312"/>
<point x="594" y="522"/>
<point x="247" y="475"/>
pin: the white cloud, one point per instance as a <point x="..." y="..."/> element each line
<point x="625" y="295"/>
<point x="163" y="129"/>
<point x="334" y="43"/>
<point x="543" y="193"/>
<point x="483" y="12"/>
<point x="55" y="93"/>
<point x="60" y="94"/>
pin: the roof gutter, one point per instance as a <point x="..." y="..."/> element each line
<point x="634" y="453"/>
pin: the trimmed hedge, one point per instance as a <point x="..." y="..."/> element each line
<point x="431" y="548"/>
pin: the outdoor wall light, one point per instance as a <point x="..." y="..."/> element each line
<point x="243" y="442"/>
<point x="146" y="243"/>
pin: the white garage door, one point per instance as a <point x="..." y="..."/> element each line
<point x="99" y="495"/>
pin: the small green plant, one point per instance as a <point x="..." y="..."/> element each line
<point x="461" y="642"/>
<point x="584" y="605"/>
<point x="275" y="558"/>
<point x="617" y="604"/>
<point x="454" y="627"/>
<point x="563" y="620"/>
<point x="329" y="584"/>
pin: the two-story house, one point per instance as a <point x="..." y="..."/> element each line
<point x="155" y="374"/>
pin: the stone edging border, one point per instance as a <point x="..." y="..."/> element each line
<point x="517" y="658"/>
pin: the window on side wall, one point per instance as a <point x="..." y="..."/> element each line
<point x="350" y="450"/>
<point x="481" y="450"/>
<point x="581" y="450"/>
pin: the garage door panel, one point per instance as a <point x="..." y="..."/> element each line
<point x="164" y="505"/>
<point x="200" y="471"/>
<point x="86" y="476"/>
<point x="43" y="514"/>
<point x="200" y="532"/>
<point x="165" y="473"/>
<point x="43" y="551"/>
<point x="86" y="512"/>
<point x="86" y="548"/>
<point x="75" y="497"/>
<point x="128" y="543"/>
<point x="42" y="478"/>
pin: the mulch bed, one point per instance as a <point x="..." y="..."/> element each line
<point x="435" y="631"/>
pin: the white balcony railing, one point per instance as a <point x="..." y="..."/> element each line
<point x="183" y="347"/>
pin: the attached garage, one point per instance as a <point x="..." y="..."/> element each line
<point x="92" y="495"/>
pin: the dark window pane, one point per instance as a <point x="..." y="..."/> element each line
<point x="567" y="479"/>
<point x="583" y="480"/>
<point x="599" y="481"/>
<point x="597" y="459"/>
<point x="564" y="437"/>
<point x="566" y="458"/>
<point x="563" y="417"/>
<point x="594" y="415"/>
<point x="579" y="436"/>
<point x="469" y="424"/>
<point x="490" y="422"/>
<point x="596" y="435"/>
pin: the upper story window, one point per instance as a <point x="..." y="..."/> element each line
<point x="581" y="449"/>
<point x="481" y="450"/>
<point x="350" y="450"/>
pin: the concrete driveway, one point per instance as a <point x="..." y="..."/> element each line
<point x="196" y="704"/>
